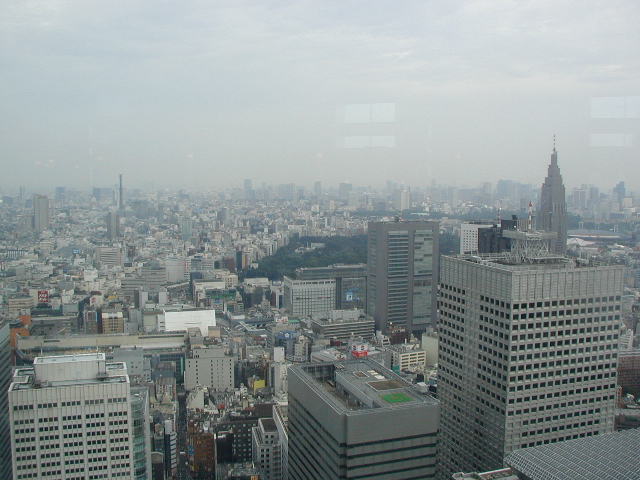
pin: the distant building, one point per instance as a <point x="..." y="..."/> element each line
<point x="402" y="275"/>
<point x="109" y="256"/>
<point x="71" y="418"/>
<point x="469" y="236"/>
<point x="350" y="283"/>
<point x="41" y="216"/>
<point x="112" y="220"/>
<point x="183" y="320"/>
<point x="552" y="215"/>
<point x="112" y="322"/>
<point x="309" y="297"/>
<point x="209" y="367"/>
<point x="357" y="419"/>
<point x="343" y="324"/>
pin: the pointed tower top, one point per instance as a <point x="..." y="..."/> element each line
<point x="554" y="142"/>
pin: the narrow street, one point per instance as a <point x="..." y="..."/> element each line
<point x="183" y="467"/>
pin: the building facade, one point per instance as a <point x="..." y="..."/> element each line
<point x="343" y="324"/>
<point x="5" y="381"/>
<point x="469" y="236"/>
<point x="304" y="298"/>
<point x="209" y="367"/>
<point x="350" y="283"/>
<point x="552" y="214"/>
<point x="357" y="419"/>
<point x="71" y="418"/>
<point x="527" y="355"/>
<point x="41" y="216"/>
<point x="402" y="273"/>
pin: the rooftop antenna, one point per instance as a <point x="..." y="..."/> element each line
<point x="530" y="218"/>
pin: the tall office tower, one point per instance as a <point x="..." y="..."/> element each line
<point x="71" y="418"/>
<point x="402" y="199"/>
<point x="112" y="220"/>
<point x="40" y="213"/>
<point x="317" y="188"/>
<point x="120" y="194"/>
<point x="5" y="381"/>
<point x="357" y="419"/>
<point x="402" y="274"/>
<point x="552" y="213"/>
<point x="249" y="193"/>
<point x="528" y="349"/>
<point x="344" y="189"/>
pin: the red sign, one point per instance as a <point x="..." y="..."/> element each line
<point x="43" y="296"/>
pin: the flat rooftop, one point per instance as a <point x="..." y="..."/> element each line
<point x="362" y="385"/>
<point x="612" y="456"/>
<point x="84" y="357"/>
<point x="509" y="262"/>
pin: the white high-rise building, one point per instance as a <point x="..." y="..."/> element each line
<point x="70" y="418"/>
<point x="527" y="355"/>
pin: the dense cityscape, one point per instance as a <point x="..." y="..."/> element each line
<point x="318" y="240"/>
<point x="280" y="332"/>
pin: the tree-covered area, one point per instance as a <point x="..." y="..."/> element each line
<point x="347" y="250"/>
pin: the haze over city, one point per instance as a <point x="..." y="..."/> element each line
<point x="198" y="94"/>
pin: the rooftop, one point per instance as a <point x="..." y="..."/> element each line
<point x="612" y="456"/>
<point x="361" y="386"/>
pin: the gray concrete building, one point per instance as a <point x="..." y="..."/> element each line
<point x="527" y="355"/>
<point x="5" y="381"/>
<point x="41" y="214"/>
<point x="357" y="419"/>
<point x="350" y="283"/>
<point x="209" y="367"/>
<point x="343" y="324"/>
<point x="402" y="274"/>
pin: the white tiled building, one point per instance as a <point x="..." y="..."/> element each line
<point x="71" y="419"/>
<point x="309" y="297"/>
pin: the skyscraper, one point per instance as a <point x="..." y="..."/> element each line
<point x="552" y="214"/>
<point x="5" y="381"/>
<point x="402" y="272"/>
<point x="112" y="220"/>
<point x="357" y="419"/>
<point x="71" y="418"/>
<point x="40" y="213"/>
<point x="120" y="194"/>
<point x="527" y="355"/>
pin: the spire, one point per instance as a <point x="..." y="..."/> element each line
<point x="554" y="153"/>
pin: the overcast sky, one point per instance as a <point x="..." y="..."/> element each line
<point x="206" y="93"/>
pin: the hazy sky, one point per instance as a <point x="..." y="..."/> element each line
<point x="205" y="93"/>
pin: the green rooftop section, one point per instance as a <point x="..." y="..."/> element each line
<point x="397" y="397"/>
